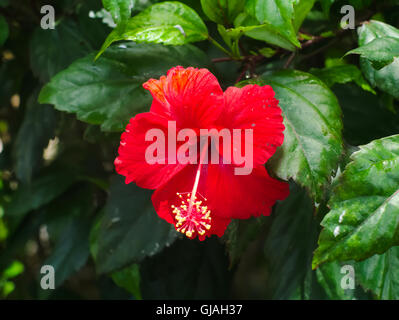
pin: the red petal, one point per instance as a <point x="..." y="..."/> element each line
<point x="131" y="161"/>
<point x="254" y="107"/>
<point x="192" y="97"/>
<point x="241" y="196"/>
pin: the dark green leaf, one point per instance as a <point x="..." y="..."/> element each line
<point x="3" y="30"/>
<point x="240" y="234"/>
<point x="189" y="269"/>
<point x="364" y="216"/>
<point x="53" y="50"/>
<point x="130" y="229"/>
<point x="301" y="10"/>
<point x="290" y="244"/>
<point x="342" y="74"/>
<point x="222" y="11"/>
<point x="49" y="185"/>
<point x="171" y="23"/>
<point x="386" y="79"/>
<point x="109" y="91"/>
<point x="311" y="149"/>
<point x="33" y="136"/>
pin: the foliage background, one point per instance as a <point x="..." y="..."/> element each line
<point x="61" y="115"/>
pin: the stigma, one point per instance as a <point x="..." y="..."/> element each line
<point x="191" y="216"/>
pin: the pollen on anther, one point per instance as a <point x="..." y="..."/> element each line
<point x="191" y="216"/>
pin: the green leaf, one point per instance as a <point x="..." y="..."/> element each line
<point x="187" y="270"/>
<point x="170" y="23"/>
<point x="311" y="149"/>
<point x="329" y="276"/>
<point x="4" y="31"/>
<point x="53" y="50"/>
<point x="278" y="15"/>
<point x="251" y="28"/>
<point x="222" y="11"/>
<point x="379" y="274"/>
<point x="109" y="91"/>
<point x="48" y="186"/>
<point x="120" y="9"/>
<point x="240" y="234"/>
<point x="33" y="136"/>
<point x="364" y="216"/>
<point x="14" y="270"/>
<point x="130" y="229"/>
<point x="289" y="245"/>
<point x="342" y="74"/>
<point x="387" y="78"/>
<point x="72" y="249"/>
<point x="129" y="279"/>
<point x="380" y="51"/>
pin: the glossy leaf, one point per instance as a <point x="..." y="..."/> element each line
<point x="170" y="22"/>
<point x="364" y="216"/>
<point x="387" y="78"/>
<point x="311" y="149"/>
<point x="120" y="9"/>
<point x="379" y="274"/>
<point x="277" y="15"/>
<point x="109" y="91"/>
<point x="380" y="51"/>
<point x="130" y="229"/>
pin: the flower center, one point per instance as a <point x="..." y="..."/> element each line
<point x="191" y="216"/>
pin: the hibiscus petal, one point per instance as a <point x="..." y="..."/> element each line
<point x="192" y="97"/>
<point x="132" y="162"/>
<point x="241" y="196"/>
<point x="254" y="107"/>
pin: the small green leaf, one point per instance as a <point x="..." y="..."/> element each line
<point x="130" y="229"/>
<point x="387" y="78"/>
<point x="278" y="15"/>
<point x="342" y="74"/>
<point x="129" y="279"/>
<point x="380" y="51"/>
<point x="171" y="23"/>
<point x="311" y="149"/>
<point x="264" y="32"/>
<point x="109" y="91"/>
<point x="222" y="11"/>
<point x="364" y="216"/>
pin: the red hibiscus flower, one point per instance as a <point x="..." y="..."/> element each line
<point x="201" y="199"/>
